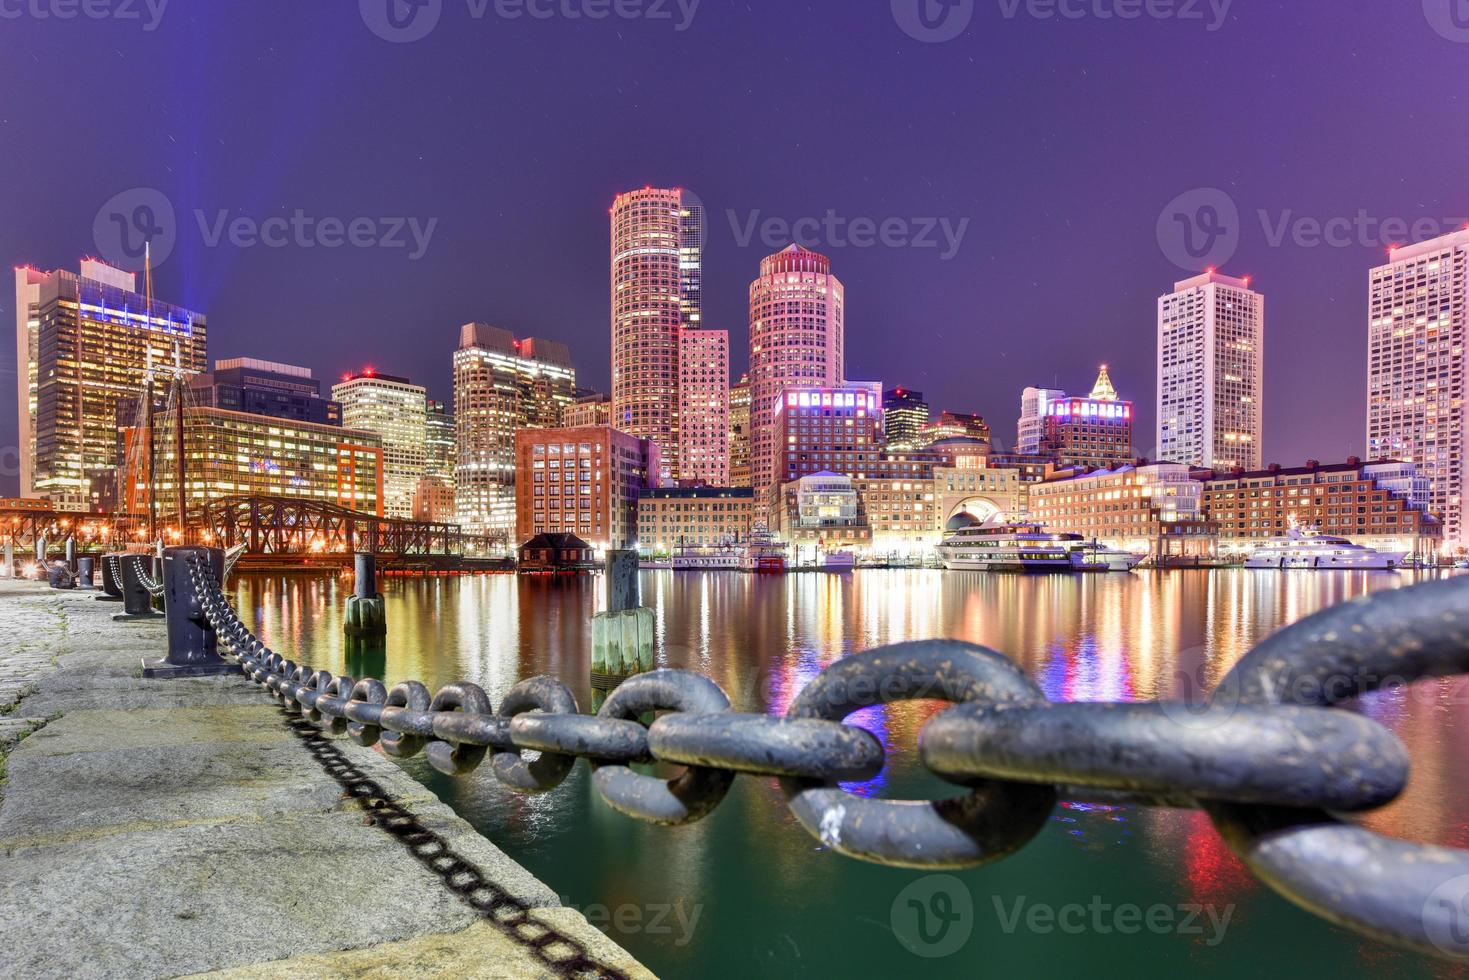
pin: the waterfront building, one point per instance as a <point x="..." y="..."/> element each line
<point x="501" y="386"/>
<point x="986" y="493"/>
<point x="1417" y="370"/>
<point x="703" y="408"/>
<point x="584" y="481"/>
<point x="1088" y="433"/>
<point x="1384" y="505"/>
<point x="953" y="425"/>
<point x="396" y="410"/>
<point x="797" y="339"/>
<point x="901" y="513"/>
<point x="822" y="511"/>
<point x="656" y="273"/>
<point x="232" y="454"/>
<point x="904" y="414"/>
<point x="1155" y="508"/>
<point x="556" y="554"/>
<point x="739" y="433"/>
<point x="670" y="518"/>
<point x="256" y="387"/>
<point x="827" y="428"/>
<point x="1211" y="371"/>
<point x="83" y="342"/>
<point x="590" y="408"/>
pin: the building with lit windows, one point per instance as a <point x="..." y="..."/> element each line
<point x="590" y="408"/>
<point x="1156" y="508"/>
<point x="1417" y="369"/>
<point x="585" y="482"/>
<point x="987" y="493"/>
<point x="1087" y="433"/>
<point x="904" y="414"/>
<point x="83" y="343"/>
<point x="501" y="386"/>
<point x="1383" y="505"/>
<point x="739" y="433"/>
<point x="797" y="339"/>
<point x="1034" y="403"/>
<point x="434" y="499"/>
<point x="230" y="454"/>
<point x="827" y="428"/>
<point x="1211" y="372"/>
<point x="953" y="425"/>
<point x="670" y="518"/>
<point x="703" y="408"/>
<point x="656" y="261"/>
<point x="396" y="411"/>
<point x="282" y="391"/>
<point x="822" y="512"/>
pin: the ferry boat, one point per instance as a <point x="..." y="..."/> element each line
<point x="721" y="559"/>
<point x="763" y="554"/>
<point x="656" y="563"/>
<point x="1308" y="548"/>
<point x="999" y="547"/>
<point x="839" y="561"/>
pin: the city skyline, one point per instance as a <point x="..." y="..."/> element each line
<point x="515" y="215"/>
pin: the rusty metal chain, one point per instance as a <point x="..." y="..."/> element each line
<point x="1266" y="758"/>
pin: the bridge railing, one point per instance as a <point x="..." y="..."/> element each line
<point x="1266" y="756"/>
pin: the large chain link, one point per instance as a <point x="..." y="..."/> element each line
<point x="1265" y="758"/>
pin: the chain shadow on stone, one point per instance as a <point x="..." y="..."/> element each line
<point x="561" y="954"/>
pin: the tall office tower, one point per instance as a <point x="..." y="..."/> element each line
<point x="1416" y="402"/>
<point x="656" y="260"/>
<point x="797" y="317"/>
<point x="703" y="408"/>
<point x="256" y="387"/>
<point x="739" y="433"/>
<point x="1034" y="403"/>
<point x="1211" y="371"/>
<point x="439" y="442"/>
<point x="27" y="322"/>
<point x="396" y="411"/>
<point x="904" y="414"/>
<point x="501" y="385"/>
<point x="83" y="341"/>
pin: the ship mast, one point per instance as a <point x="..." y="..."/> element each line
<point x="148" y="417"/>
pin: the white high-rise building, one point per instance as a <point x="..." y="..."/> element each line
<point x="396" y="411"/>
<point x="1032" y="424"/>
<point x="1211" y="371"/>
<point x="1416" y="365"/>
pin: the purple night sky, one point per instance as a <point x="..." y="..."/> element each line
<point x="1060" y="141"/>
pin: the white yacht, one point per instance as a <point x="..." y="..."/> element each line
<point x="722" y="559"/>
<point x="1308" y="548"/>
<point x="839" y="561"/>
<point x="1000" y="547"/>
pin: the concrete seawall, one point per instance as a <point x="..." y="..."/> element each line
<point x="167" y="828"/>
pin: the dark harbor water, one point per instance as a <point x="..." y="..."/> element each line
<point x="747" y="893"/>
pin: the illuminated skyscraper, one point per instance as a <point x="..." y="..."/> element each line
<point x="1416" y="368"/>
<point x="501" y="385"/>
<point x="703" y="407"/>
<point x="904" y="414"/>
<point x="1211" y="373"/>
<point x="82" y="345"/>
<point x="1033" y="405"/>
<point x="797" y="317"/>
<point x="1092" y="433"/>
<point x="739" y="433"/>
<point x="656" y="259"/>
<point x="396" y="411"/>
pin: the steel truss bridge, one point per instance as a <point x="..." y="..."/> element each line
<point x="284" y="528"/>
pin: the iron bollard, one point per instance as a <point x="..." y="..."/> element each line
<point x="111" y="584"/>
<point x="137" y="600"/>
<point x="86" y="567"/>
<point x="193" y="647"/>
<point x="366" y="615"/>
<point x="58" y="576"/>
<point x="41" y="551"/>
<point x="71" y="554"/>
